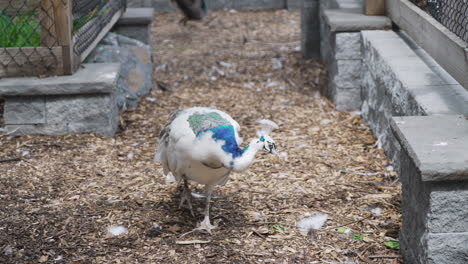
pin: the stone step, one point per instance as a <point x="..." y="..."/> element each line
<point x="135" y="23"/>
<point x="441" y="152"/>
<point x="89" y="79"/>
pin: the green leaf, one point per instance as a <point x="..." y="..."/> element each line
<point x="392" y="244"/>
<point x="343" y="230"/>
<point x="359" y="237"/>
<point x="280" y="228"/>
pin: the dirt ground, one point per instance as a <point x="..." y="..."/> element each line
<point x="58" y="195"/>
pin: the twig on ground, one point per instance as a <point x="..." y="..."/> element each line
<point x="191" y="242"/>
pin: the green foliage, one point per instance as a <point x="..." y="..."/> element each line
<point x="19" y="31"/>
<point x="359" y="237"/>
<point x="392" y="244"/>
<point x="280" y="228"/>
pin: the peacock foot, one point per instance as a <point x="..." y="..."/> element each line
<point x="206" y="225"/>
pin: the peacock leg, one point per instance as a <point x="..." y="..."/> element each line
<point x="186" y="197"/>
<point x="205" y="224"/>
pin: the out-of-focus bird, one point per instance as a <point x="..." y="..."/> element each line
<point x="192" y="9"/>
<point x="203" y="145"/>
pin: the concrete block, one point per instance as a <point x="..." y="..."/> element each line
<point x="70" y="114"/>
<point x="449" y="209"/>
<point x="258" y="4"/>
<point x="138" y="16"/>
<point x="440" y="153"/>
<point x="158" y="5"/>
<point x="347" y="99"/>
<point x="356" y="4"/>
<point x="352" y="20"/>
<point x="91" y="107"/>
<point x="447" y="248"/>
<point x="347" y="75"/>
<point x="348" y="46"/>
<point x="294" y="4"/>
<point x="79" y="109"/>
<point x="135" y="23"/>
<point x="25" y="110"/>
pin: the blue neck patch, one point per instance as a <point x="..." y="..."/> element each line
<point x="226" y="133"/>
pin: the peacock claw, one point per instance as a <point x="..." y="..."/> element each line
<point x="206" y="225"/>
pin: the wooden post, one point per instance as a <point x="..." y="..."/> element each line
<point x="48" y="37"/>
<point x="374" y="7"/>
<point x="63" y="27"/>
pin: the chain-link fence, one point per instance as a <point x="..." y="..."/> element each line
<point x="28" y="39"/>
<point x="453" y="14"/>
<point x="48" y="37"/>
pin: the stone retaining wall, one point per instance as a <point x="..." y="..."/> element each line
<point x="396" y="81"/>
<point x="81" y="103"/>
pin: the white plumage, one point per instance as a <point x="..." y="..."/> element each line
<point x="203" y="145"/>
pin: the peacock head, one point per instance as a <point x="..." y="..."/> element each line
<point x="267" y="144"/>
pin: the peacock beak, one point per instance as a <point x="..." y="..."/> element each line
<point x="274" y="152"/>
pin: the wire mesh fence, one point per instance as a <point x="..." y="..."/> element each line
<point x="453" y="14"/>
<point x="27" y="38"/>
<point x="90" y="17"/>
<point x="48" y="37"/>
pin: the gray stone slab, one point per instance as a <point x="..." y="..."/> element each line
<point x="350" y="4"/>
<point x="352" y="20"/>
<point x="441" y="151"/>
<point x="136" y="16"/>
<point x="25" y="110"/>
<point x="442" y="99"/>
<point x="447" y="248"/>
<point x="90" y="78"/>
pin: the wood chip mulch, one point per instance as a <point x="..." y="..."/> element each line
<point x="59" y="194"/>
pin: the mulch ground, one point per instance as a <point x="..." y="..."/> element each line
<point x="58" y="195"/>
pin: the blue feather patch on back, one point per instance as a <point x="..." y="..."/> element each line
<point x="226" y="133"/>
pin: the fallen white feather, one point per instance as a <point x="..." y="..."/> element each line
<point x="376" y="212"/>
<point x="314" y="222"/>
<point x="117" y="230"/>
<point x="225" y="64"/>
<point x="276" y="64"/>
<point x="191" y="242"/>
<point x="283" y="155"/>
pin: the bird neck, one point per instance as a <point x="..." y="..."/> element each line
<point x="203" y="6"/>
<point x="244" y="161"/>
